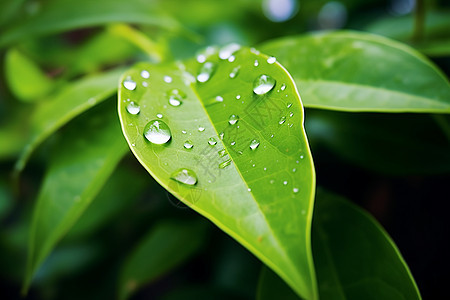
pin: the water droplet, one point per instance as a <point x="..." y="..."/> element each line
<point x="145" y="74"/>
<point x="221" y="135"/>
<point x="188" y="144"/>
<point x="254" y="51"/>
<point x="144" y="84"/>
<point x="256" y="63"/>
<point x="129" y="84"/>
<point x="265" y="169"/>
<point x="263" y="84"/>
<point x="133" y="145"/>
<point x="212" y="141"/>
<point x="233" y="143"/>
<point x="291" y="114"/>
<point x="238" y="97"/>
<point x="254" y="144"/>
<point x="222" y="152"/>
<point x="206" y="72"/>
<point x="227" y="51"/>
<point x="233" y="119"/>
<point x="285" y="182"/>
<point x="289" y="105"/>
<point x="159" y="115"/>
<point x="301" y="156"/>
<point x="249" y="189"/>
<point x="295" y="190"/>
<point x="157" y="132"/>
<point x="271" y="60"/>
<point x="294" y="170"/>
<point x="133" y="108"/>
<point x="231" y="58"/>
<point x="167" y="79"/>
<point x="184" y="176"/>
<point x="283" y="87"/>
<point x="235" y="72"/>
<point x="201" y="128"/>
<point x="282" y="120"/>
<point x="175" y="97"/>
<point x="219" y="98"/>
<point x="183" y="131"/>
<point x="225" y="164"/>
<point x="201" y="58"/>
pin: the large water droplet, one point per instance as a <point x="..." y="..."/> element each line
<point x="227" y="51"/>
<point x="129" y="84"/>
<point x="212" y="141"/>
<point x="184" y="176"/>
<point x="157" y="132"/>
<point x="263" y="84"/>
<point x="235" y="72"/>
<point x="206" y="71"/>
<point x="145" y="74"/>
<point x="175" y="97"/>
<point x="133" y="108"/>
<point x="188" y="144"/>
<point x="254" y="144"/>
<point x="233" y="119"/>
<point x="225" y="164"/>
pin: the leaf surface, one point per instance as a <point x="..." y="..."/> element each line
<point x="353" y="71"/>
<point x="237" y="152"/>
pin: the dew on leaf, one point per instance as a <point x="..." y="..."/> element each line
<point x="159" y="115"/>
<point x="188" y="144"/>
<point x="289" y="105"/>
<point x="282" y="120"/>
<point x="295" y="190"/>
<point x="233" y="119"/>
<point x="167" y="79"/>
<point x="263" y="84"/>
<point x="227" y="51"/>
<point x="206" y="71"/>
<point x="129" y="84"/>
<point x="238" y="97"/>
<point x="219" y="98"/>
<point x="221" y="135"/>
<point x="145" y="74"/>
<point x="184" y="176"/>
<point x="201" y="128"/>
<point x="175" y="97"/>
<point x="235" y="72"/>
<point x="225" y="164"/>
<point x="157" y="132"/>
<point x="254" y="144"/>
<point x="212" y="141"/>
<point x="222" y="152"/>
<point x="283" y="87"/>
<point x="256" y="63"/>
<point x="133" y="108"/>
<point x="271" y="60"/>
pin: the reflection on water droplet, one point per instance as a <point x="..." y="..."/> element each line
<point x="157" y="132"/>
<point x="235" y="72"/>
<point x="285" y="182"/>
<point x="167" y="79"/>
<point x="201" y="128"/>
<point x="222" y="152"/>
<point x="225" y="164"/>
<point x="133" y="108"/>
<point x="233" y="143"/>
<point x="295" y="190"/>
<point x="184" y="176"/>
<point x="219" y="98"/>
<point x="254" y="144"/>
<point x="231" y="58"/>
<point x="294" y="170"/>
<point x="283" y="87"/>
<point x="188" y="144"/>
<point x="256" y="63"/>
<point x="291" y="114"/>
<point x="129" y="84"/>
<point x="282" y="120"/>
<point x="238" y="97"/>
<point x="249" y="189"/>
<point x="145" y="74"/>
<point x="159" y="116"/>
<point x="201" y="58"/>
<point x="206" y="71"/>
<point x="183" y="131"/>
<point x="233" y="119"/>
<point x="144" y="84"/>
<point x="301" y="156"/>
<point x="289" y="105"/>
<point x="227" y="51"/>
<point x="212" y="141"/>
<point x="175" y="97"/>
<point x="263" y="84"/>
<point x="271" y="60"/>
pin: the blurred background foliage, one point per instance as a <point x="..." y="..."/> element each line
<point x="395" y="166"/>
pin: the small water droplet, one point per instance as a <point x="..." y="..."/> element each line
<point x="289" y="105"/>
<point x="254" y="51"/>
<point x="285" y="182"/>
<point x="227" y="51"/>
<point x="233" y="119"/>
<point x="295" y="190"/>
<point x="238" y="97"/>
<point x="271" y="60"/>
<point x="129" y="84"/>
<point x="291" y="114"/>
<point x="294" y="170"/>
<point x="219" y="98"/>
<point x="231" y="58"/>
<point x="145" y="74"/>
<point x="254" y="144"/>
<point x="167" y="79"/>
<point x="175" y="97"/>
<point x="206" y="71"/>
<point x="133" y="108"/>
<point x="188" y="144"/>
<point x="201" y="58"/>
<point x="222" y="152"/>
<point x="282" y="120"/>
<point x="225" y="164"/>
<point x="283" y="87"/>
<point x="233" y="143"/>
<point x="235" y="72"/>
<point x="157" y="132"/>
<point x="184" y="176"/>
<point x="133" y="145"/>
<point x="301" y="156"/>
<point x="183" y="131"/>
<point x="256" y="63"/>
<point x="201" y="128"/>
<point x="265" y="169"/>
<point x="249" y="189"/>
<point x="159" y="116"/>
<point x="144" y="84"/>
<point x="272" y="181"/>
<point x="263" y="84"/>
<point x="212" y="141"/>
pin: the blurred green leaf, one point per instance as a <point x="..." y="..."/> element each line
<point x="6" y="201"/>
<point x="166" y="246"/>
<point x="84" y="158"/>
<point x="202" y="293"/>
<point x="353" y="71"/>
<point x="391" y="144"/>
<point x="256" y="180"/>
<point x="354" y="257"/>
<point x="66" y="104"/>
<point x="440" y="47"/>
<point x="54" y="16"/>
<point x="25" y="79"/>
<point x="8" y="9"/>
<point x="271" y="286"/>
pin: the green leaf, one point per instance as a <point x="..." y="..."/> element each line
<point x="166" y="246"/>
<point x="387" y="143"/>
<point x="355" y="258"/>
<point x="262" y="197"/>
<point x="68" y="103"/>
<point x="82" y="161"/>
<point x="354" y="71"/>
<point x="56" y="16"/>
<point x="25" y="80"/>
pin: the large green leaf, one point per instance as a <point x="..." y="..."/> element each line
<point x="354" y="257"/>
<point x="55" y="16"/>
<point x="82" y="161"/>
<point x="167" y="245"/>
<point x="68" y="103"/>
<point x="249" y="169"/>
<point x="361" y="72"/>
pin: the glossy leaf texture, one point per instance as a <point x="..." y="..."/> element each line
<point x="81" y="162"/>
<point x="353" y="71"/>
<point x="56" y="16"/>
<point x="166" y="246"/>
<point x="65" y="105"/>
<point x="225" y="135"/>
<point x="25" y="79"/>
<point x="354" y="257"/>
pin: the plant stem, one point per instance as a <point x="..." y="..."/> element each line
<point x="419" y="21"/>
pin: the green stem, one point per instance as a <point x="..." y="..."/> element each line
<point x="419" y="21"/>
<point x="443" y="124"/>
